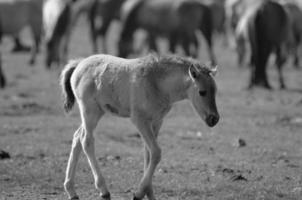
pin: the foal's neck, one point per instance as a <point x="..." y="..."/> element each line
<point x="175" y="86"/>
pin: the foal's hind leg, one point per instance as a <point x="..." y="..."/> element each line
<point x="83" y="138"/>
<point x="90" y="115"/>
<point x="72" y="162"/>
<point x="35" y="50"/>
<point x="155" y="127"/>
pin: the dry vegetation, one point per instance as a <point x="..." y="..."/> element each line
<point x="198" y="163"/>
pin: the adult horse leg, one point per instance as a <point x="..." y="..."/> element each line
<point x="195" y="44"/>
<point x="93" y="32"/>
<point x="208" y="38"/>
<point x="2" y="77"/>
<point x="207" y="32"/>
<point x="19" y="46"/>
<point x="36" y="29"/>
<point x="241" y="50"/>
<point x="185" y="43"/>
<point x="296" y="51"/>
<point x="152" y="42"/>
<point x="64" y="48"/>
<point x="35" y="50"/>
<point x="259" y="78"/>
<point x="280" y="60"/>
<point x="102" y="32"/>
<point x="172" y="43"/>
<point x="84" y="138"/>
<point x="189" y="40"/>
<point x="144" y="125"/>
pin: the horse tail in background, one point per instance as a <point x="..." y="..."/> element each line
<point x="66" y="74"/>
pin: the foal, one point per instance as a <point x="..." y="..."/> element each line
<point x="143" y="89"/>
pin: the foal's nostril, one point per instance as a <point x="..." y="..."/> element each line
<point x="212" y="120"/>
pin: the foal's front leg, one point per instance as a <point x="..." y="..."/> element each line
<point x="146" y="130"/>
<point x="155" y="128"/>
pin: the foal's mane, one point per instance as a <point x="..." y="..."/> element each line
<point x="168" y="62"/>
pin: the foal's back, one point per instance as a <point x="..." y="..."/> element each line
<point x="108" y="80"/>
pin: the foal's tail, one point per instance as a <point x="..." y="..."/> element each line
<point x="69" y="97"/>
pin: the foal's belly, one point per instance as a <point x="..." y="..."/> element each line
<point x="114" y="106"/>
<point x="113" y="89"/>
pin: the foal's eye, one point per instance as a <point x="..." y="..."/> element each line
<point x="202" y="93"/>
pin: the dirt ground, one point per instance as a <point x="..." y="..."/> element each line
<point x="254" y="153"/>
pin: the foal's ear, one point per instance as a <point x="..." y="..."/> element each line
<point x="214" y="70"/>
<point x="193" y="72"/>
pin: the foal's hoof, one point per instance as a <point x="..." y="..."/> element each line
<point x="75" y="198"/>
<point x="106" y="196"/>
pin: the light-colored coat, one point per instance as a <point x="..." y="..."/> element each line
<point x="143" y="89"/>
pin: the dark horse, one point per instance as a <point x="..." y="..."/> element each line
<point x="2" y="77"/>
<point x="268" y="30"/>
<point x="57" y="25"/>
<point x="295" y="15"/>
<point x="107" y="11"/>
<point x="178" y="20"/>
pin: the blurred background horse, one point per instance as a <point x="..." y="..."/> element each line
<point x="268" y="28"/>
<point x="102" y="14"/>
<point x="294" y="42"/>
<point x="15" y="15"/>
<point x="177" y="21"/>
<point x="60" y="17"/>
<point x="56" y="20"/>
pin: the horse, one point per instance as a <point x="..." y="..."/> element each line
<point x="241" y="36"/>
<point x="294" y="37"/>
<point x="235" y="10"/>
<point x="176" y="20"/>
<point x="2" y="76"/>
<point x="268" y="31"/>
<point x="218" y="16"/>
<point x="56" y="21"/>
<point x="59" y="19"/>
<point x="142" y="89"/>
<point x="16" y="15"/>
<point x="108" y="11"/>
<point x="295" y="15"/>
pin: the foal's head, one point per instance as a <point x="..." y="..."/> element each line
<point x="202" y="93"/>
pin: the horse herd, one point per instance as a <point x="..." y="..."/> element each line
<point x="265" y="26"/>
<point x="144" y="89"/>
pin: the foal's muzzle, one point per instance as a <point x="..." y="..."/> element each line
<point x="212" y="120"/>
